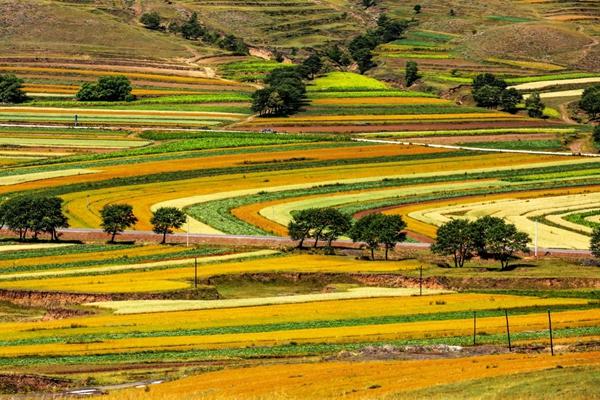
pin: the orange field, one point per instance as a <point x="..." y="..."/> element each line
<point x="357" y="380"/>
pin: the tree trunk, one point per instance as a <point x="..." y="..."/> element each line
<point x="317" y="237"/>
<point x="112" y="239"/>
<point x="386" y="252"/>
<point x="301" y="244"/>
<point x="164" y="239"/>
<point x="373" y="253"/>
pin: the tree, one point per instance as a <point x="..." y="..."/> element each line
<point x="412" y="73"/>
<point x="33" y="214"/>
<point x="165" y="219"/>
<point x="481" y="228"/>
<point x="534" y="105"/>
<point x="509" y="98"/>
<point x="107" y="88"/>
<point x="329" y="223"/>
<point x="596" y="135"/>
<point x="151" y="20"/>
<point x="11" y="89"/>
<point x="595" y="242"/>
<point x="488" y="79"/>
<point x="503" y="240"/>
<point x="116" y="218"/>
<point x="301" y="225"/>
<point x="391" y="231"/>
<point x="233" y="44"/>
<point x="455" y="238"/>
<point x="284" y="95"/>
<point x="313" y="65"/>
<point x="368" y="3"/>
<point x="191" y="29"/>
<point x="365" y="230"/>
<point x="417" y="9"/>
<point x="590" y="101"/>
<point x="487" y="96"/>
<point x="364" y="60"/>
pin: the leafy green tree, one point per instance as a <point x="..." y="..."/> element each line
<point x="233" y="44"/>
<point x="503" y="241"/>
<point x="364" y="60"/>
<point x="368" y="3"/>
<point x="191" y="29"/>
<point x="116" y="218"/>
<point x="481" y="228"/>
<point x="590" y="101"/>
<point x="488" y="79"/>
<point x="151" y="20"/>
<point x="391" y="231"/>
<point x="165" y="219"/>
<point x="411" y="74"/>
<point x="509" y="98"/>
<point x="487" y="96"/>
<point x="313" y="65"/>
<point x="329" y="223"/>
<point x="596" y="135"/>
<point x="11" y="89"/>
<point x="366" y="230"/>
<point x="285" y="94"/>
<point x="455" y="238"/>
<point x="302" y="224"/>
<point x="595" y="242"/>
<point x="107" y="88"/>
<point x="535" y="107"/>
<point x="36" y="215"/>
<point x="417" y="9"/>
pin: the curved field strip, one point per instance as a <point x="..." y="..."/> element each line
<point x="282" y="214"/>
<point x="563" y="220"/>
<point x="148" y="306"/>
<point x="352" y="380"/>
<point x="368" y="117"/>
<point x="472" y="132"/>
<point x="429" y="230"/>
<point x="520" y="212"/>
<point x="98" y="111"/>
<point x="132" y="75"/>
<point x="358" y="101"/>
<point x="348" y="334"/>
<point x="563" y="93"/>
<point x="142" y="266"/>
<point x="277" y="314"/>
<point x="17" y="179"/>
<point x="558" y="82"/>
<point x="32" y="246"/>
<point x="206" y="161"/>
<point x="71" y="143"/>
<point x="102" y="254"/>
<point x="144" y="197"/>
<point x="110" y="280"/>
<point x="410" y="169"/>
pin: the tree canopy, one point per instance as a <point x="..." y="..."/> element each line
<point x="107" y="88"/>
<point x="33" y="215"/>
<point x="116" y="218"/>
<point x="165" y="219"/>
<point x="535" y="107"/>
<point x="590" y="101"/>
<point x="11" y="89"/>
<point x="151" y="20"/>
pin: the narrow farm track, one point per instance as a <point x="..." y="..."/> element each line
<point x="452" y="147"/>
<point x="84" y="234"/>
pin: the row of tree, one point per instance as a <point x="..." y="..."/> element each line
<point x="33" y="215"/>
<point x="487" y="237"/>
<point x="106" y="88"/>
<point x="328" y="224"/>
<point x="492" y="92"/>
<point x="191" y="29"/>
<point x="361" y="46"/>
<point x="285" y="92"/>
<point x="11" y="89"/>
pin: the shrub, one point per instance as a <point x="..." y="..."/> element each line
<point x="590" y="101"/>
<point x="151" y="20"/>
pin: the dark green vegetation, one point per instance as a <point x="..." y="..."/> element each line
<point x="108" y="88"/>
<point x="11" y="89"/>
<point x="34" y="215"/>
<point x="165" y="219"/>
<point x="116" y="218"/>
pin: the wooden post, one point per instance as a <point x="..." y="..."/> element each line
<point x="474" y="328"/>
<point x="508" y="330"/>
<point x="195" y="272"/>
<point x="421" y="280"/>
<point x="550" y="329"/>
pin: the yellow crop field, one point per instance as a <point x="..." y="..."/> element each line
<point x="350" y="380"/>
<point x="347" y="334"/>
<point x="368" y="117"/>
<point x="379" y="100"/>
<point x="179" y="278"/>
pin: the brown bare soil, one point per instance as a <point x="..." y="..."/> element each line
<point x="26" y="383"/>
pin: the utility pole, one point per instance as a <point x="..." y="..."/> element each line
<point x="536" y="239"/>
<point x="550" y="329"/>
<point x="187" y="236"/>
<point x="420" y="280"/>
